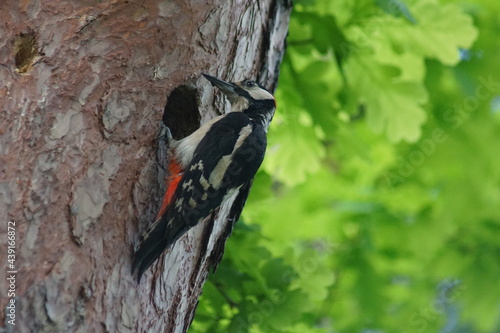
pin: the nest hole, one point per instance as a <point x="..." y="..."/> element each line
<point x="181" y="113"/>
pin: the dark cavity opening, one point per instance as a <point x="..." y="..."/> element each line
<point x="25" y="51"/>
<point x="181" y="113"/>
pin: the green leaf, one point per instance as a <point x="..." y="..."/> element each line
<point x="397" y="8"/>
<point x="392" y="105"/>
<point x="315" y="276"/>
<point x="277" y="274"/>
<point x="290" y="160"/>
<point x="287" y="310"/>
<point x="440" y="32"/>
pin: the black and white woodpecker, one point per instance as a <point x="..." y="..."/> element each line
<point x="211" y="169"/>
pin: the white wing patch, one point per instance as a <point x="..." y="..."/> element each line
<point x="220" y="169"/>
<point x="217" y="174"/>
<point x="244" y="133"/>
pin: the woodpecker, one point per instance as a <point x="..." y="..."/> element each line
<point x="212" y="168"/>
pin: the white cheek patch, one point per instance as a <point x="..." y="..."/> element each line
<point x="259" y="94"/>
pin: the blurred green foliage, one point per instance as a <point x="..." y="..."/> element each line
<point x="377" y="208"/>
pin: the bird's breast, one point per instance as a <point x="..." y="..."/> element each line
<point x="184" y="149"/>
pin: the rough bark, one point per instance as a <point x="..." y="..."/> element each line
<point x="84" y="85"/>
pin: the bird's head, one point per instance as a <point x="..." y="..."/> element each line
<point x="247" y="96"/>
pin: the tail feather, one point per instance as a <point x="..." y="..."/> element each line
<point x="155" y="240"/>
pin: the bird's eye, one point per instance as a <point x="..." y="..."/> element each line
<point x="250" y="84"/>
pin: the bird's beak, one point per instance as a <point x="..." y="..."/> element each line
<point x="228" y="88"/>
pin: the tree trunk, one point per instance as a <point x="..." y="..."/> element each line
<point x="84" y="88"/>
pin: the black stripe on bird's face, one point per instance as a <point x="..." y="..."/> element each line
<point x="242" y="95"/>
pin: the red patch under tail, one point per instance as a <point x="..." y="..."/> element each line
<point x="175" y="176"/>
